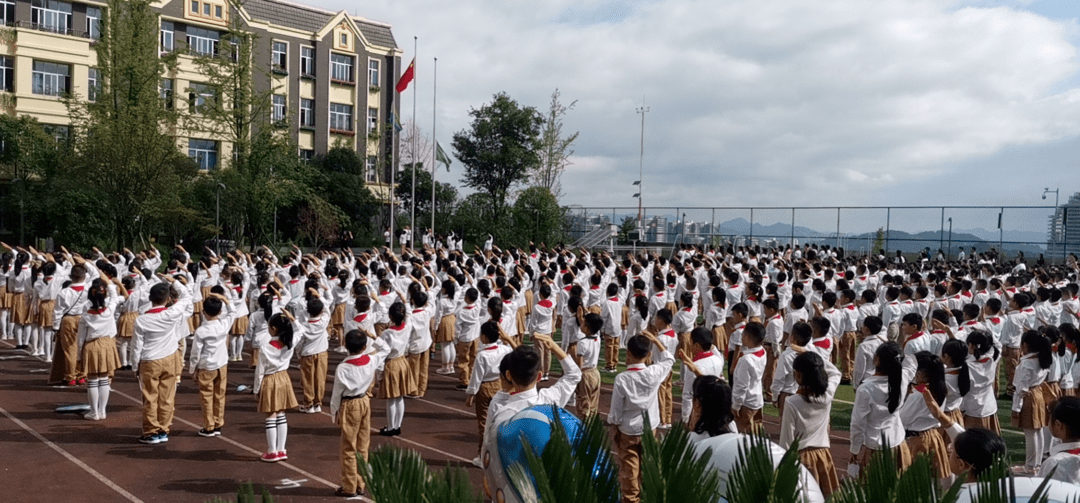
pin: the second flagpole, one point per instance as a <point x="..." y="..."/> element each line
<point x="415" y="131"/>
<point x="434" y="138"/>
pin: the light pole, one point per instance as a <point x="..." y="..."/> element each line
<point x="217" y="224"/>
<point x="1061" y="232"/>
<point x="641" y="165"/>
<point x="948" y="257"/>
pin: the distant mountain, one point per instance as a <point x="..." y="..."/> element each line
<point x="1019" y="236"/>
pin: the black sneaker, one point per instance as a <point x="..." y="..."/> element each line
<point x="206" y="433"/>
<point x="162" y="437"/>
<point x="217" y="432"/>
<point x="387" y="432"/>
<point x="461" y="387"/>
<point x="149" y="439"/>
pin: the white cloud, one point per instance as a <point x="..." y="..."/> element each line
<point x="755" y="102"/>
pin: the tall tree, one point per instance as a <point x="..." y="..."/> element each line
<point x="445" y="198"/>
<point x="555" y="149"/>
<point x="121" y="139"/>
<point x="499" y="150"/>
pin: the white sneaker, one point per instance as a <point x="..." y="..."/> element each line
<point x="48" y="360"/>
<point x="91" y="416"/>
<point x="665" y="427"/>
<point x="476" y="462"/>
<point x="444" y="371"/>
<point x="317" y="409"/>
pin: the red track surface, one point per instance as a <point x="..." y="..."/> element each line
<point x="62" y="457"/>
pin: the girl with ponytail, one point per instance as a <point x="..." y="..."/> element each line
<point x="979" y="404"/>
<point x="922" y="429"/>
<point x="875" y="419"/>
<point x="1070" y="377"/>
<point x="1029" y="405"/>
<point x="272" y="383"/>
<point x="954" y="355"/>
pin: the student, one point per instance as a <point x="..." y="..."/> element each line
<point x="973" y="450"/>
<point x="397" y="379"/>
<point x="875" y="417"/>
<point x="1064" y="457"/>
<point x="1017" y="322"/>
<point x="683" y="320"/>
<point x="716" y="317"/>
<point x="639" y="319"/>
<point x="873" y="335"/>
<point x="846" y="345"/>
<point x="784" y="384"/>
<point x="892" y="312"/>
<point x="914" y="337"/>
<point x="954" y="355"/>
<point x="446" y="309"/>
<point x="634" y="396"/>
<point x="703" y="363"/>
<point x="980" y="405"/>
<point x="712" y="409"/>
<point x="466" y="334"/>
<point x="922" y="429"/>
<point x="806" y="417"/>
<point x="1029" y="406"/>
<point x="774" y="333"/>
<point x="239" y="303"/>
<point x="71" y="303"/>
<point x="313" y="344"/>
<point x="588" y="355"/>
<point x="738" y="319"/>
<point x="611" y="310"/>
<point x="350" y="405"/>
<point x="662" y="327"/>
<point x="821" y="343"/>
<point x="420" y="341"/>
<point x="209" y="359"/>
<point x="47" y="289"/>
<point x="746" y="393"/>
<point x="484" y="380"/>
<point x="97" y="346"/>
<point x="273" y="386"/>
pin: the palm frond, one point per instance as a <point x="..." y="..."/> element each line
<point x="997" y="485"/>
<point x="754" y="477"/>
<point x="451" y="485"/>
<point x="394" y="475"/>
<point x="673" y="471"/>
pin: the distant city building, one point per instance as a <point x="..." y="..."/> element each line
<point x="1064" y="229"/>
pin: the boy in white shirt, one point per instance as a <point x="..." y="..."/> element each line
<point x="705" y="362"/>
<point x="746" y="393"/>
<point x="634" y="395"/>
<point x="783" y="382"/>
<point x="484" y="381"/>
<point x="774" y="333"/>
<point x="667" y="335"/>
<point x="873" y="336"/>
<point x="542" y="321"/>
<point x="611" y="312"/>
<point x="350" y="405"/>
<point x="210" y="361"/>
<point x="466" y="333"/>
<point x="588" y="354"/>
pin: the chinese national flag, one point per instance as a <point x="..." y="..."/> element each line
<point x="406" y="78"/>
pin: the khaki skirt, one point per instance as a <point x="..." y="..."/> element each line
<point x="931" y="443"/>
<point x="1050" y="395"/>
<point x="397" y="380"/>
<point x="276" y="393"/>
<point x="672" y="307"/>
<point x="445" y="331"/>
<point x="987" y="423"/>
<point x="125" y="326"/>
<point x="337" y="317"/>
<point x="20" y="309"/>
<point x="1068" y="392"/>
<point x="819" y="462"/>
<point x="529" y="298"/>
<point x="5" y="300"/>
<point x="521" y="319"/>
<point x="99" y="356"/>
<point x="1033" y="412"/>
<point x="902" y="453"/>
<point x="44" y="316"/>
<point x="239" y="326"/>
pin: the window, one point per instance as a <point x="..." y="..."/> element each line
<point x="8" y="12"/>
<point x="373" y="72"/>
<point x="278" y="113"/>
<point x="93" y="22"/>
<point x="307" y="154"/>
<point x="344" y="39"/>
<point x="51" y="79"/>
<point x="307" y="61"/>
<point x="51" y="15"/>
<point x="7" y="74"/>
<point x="202" y="41"/>
<point x="371" y="173"/>
<point x="205" y="153"/>
<point x="372" y="120"/>
<point x="217" y="11"/>
<point x="340" y="117"/>
<point x="166" y="92"/>
<point x="307" y="113"/>
<point x="93" y="85"/>
<point x="280" y="56"/>
<point x="206" y="9"/>
<point x="199" y="96"/>
<point x="195" y="6"/>
<point x="341" y="68"/>
<point x="60" y="133"/>
<point x="167" y="34"/>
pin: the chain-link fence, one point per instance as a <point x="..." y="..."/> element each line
<point x="1012" y="230"/>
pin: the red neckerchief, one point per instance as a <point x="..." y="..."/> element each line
<point x="316" y="320"/>
<point x="277" y="344"/>
<point x="916" y="335"/>
<point x="360" y="318"/>
<point x="1074" y="452"/>
<point x="850" y="307"/>
<point x="359" y="362"/>
<point x="77" y="288"/>
<point x="759" y="353"/>
<point x="95" y="311"/>
<point x="156" y="310"/>
<point x="703" y="354"/>
<point x="614" y="299"/>
<point x="417" y="311"/>
<point x="489" y="348"/>
<point x="669" y="332"/>
<point x="399" y="327"/>
<point x="825" y="343"/>
<point x="545" y="303"/>
<point x="995" y="320"/>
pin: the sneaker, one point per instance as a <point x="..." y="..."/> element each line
<point x="341" y="350"/>
<point x="149" y="439"/>
<point x="545" y="378"/>
<point x="270" y="457"/>
<point x="48" y="360"/>
<point x="91" y="416"/>
<point x="444" y="371"/>
<point x="665" y="426"/>
<point x="162" y="438"/>
<point x="217" y="432"/>
<point x="317" y="409"/>
<point x="206" y="433"/>
<point x="282" y="456"/>
<point x="476" y="462"/>
<point x="82" y="381"/>
<point x="70" y="383"/>
<point x="461" y="387"/>
<point x="341" y="492"/>
<point x="306" y="409"/>
<point x="386" y="431"/>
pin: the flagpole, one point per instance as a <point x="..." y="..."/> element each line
<point x="412" y="218"/>
<point x="434" y="151"/>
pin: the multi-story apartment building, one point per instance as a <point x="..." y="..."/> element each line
<point x="1064" y="229"/>
<point x="332" y="74"/>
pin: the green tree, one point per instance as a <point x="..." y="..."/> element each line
<point x="626" y="227"/>
<point x="555" y="148"/>
<point x="879" y="241"/>
<point x="445" y="198"/>
<point x="27" y="156"/>
<point x="499" y="150"/>
<point x="121" y="143"/>
<point x="538" y="217"/>
<point x="342" y="185"/>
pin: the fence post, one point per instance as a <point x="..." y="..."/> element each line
<point x="941" y="234"/>
<point x="750" y="239"/>
<point x="838" y="227"/>
<point x="888" y="222"/>
<point x="792" y="244"/>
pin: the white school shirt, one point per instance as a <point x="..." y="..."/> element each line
<point x="715" y="315"/>
<point x="953" y="400"/>
<point x="486" y="368"/>
<point x="914" y="414"/>
<point x="980" y="400"/>
<point x="891" y="313"/>
<point x="918" y="341"/>
<point x="397" y="338"/>
<point x="669" y="339"/>
<point x="1066" y="458"/>
<point x="611" y="312"/>
<point x="823" y="347"/>
<point x="864" y="358"/>
<point x="588" y="350"/>
<point x="870" y="417"/>
<point x="683" y="321"/>
<point x="774" y="332"/>
<point x="1028" y="376"/>
<point x="96" y="324"/>
<point x="735" y="340"/>
<point x="557" y="394"/>
<point x="808" y="418"/>
<point x="794" y="316"/>
<point x="1071" y="380"/>
<point x="746" y="381"/>
<point x="634" y="394"/>
<point x="467" y="323"/>
<point x="709" y="363"/>
<point x="359" y="321"/>
<point x="783" y="376"/>
<point x="155" y="331"/>
<point x="311" y="338"/>
<point x="209" y="350"/>
<point x="542" y="318"/>
<point x="937" y="340"/>
<point x="355" y="373"/>
<point x="420" y="320"/>
<point x="72" y="301"/>
<point x="274" y="357"/>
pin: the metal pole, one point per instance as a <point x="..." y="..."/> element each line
<point x="792" y="228"/>
<point x="838" y="227"/>
<point x="415" y="154"/>
<point x="434" y="151"/>
<point x="641" y="166"/>
<point x="941" y="234"/>
<point x="948" y="256"/>
<point x="888" y="222"/>
<point x="751" y="238"/>
<point x="1001" y="231"/>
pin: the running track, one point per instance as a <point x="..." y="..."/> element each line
<point x="53" y="457"/>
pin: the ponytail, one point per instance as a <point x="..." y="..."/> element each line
<point x="983" y="344"/>
<point x="890" y="359"/>
<point x="266" y="302"/>
<point x="283" y="329"/>
<point x="934" y="371"/>
<point x="1040" y="345"/>
<point x="957" y="352"/>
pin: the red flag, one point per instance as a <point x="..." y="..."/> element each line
<point x="406" y="78"/>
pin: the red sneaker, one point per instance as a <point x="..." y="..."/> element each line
<point x="82" y="381"/>
<point x="281" y="456"/>
<point x="71" y="382"/>
<point x="270" y="457"/>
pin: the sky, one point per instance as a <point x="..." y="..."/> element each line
<point x="769" y="102"/>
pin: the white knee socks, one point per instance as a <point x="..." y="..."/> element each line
<point x="122" y="347"/>
<point x="34" y="340"/>
<point x="92" y="395"/>
<point x="395" y="412"/>
<point x="282" y="432"/>
<point x="47" y="343"/>
<point x="271" y="433"/>
<point x="236" y="349"/>
<point x="5" y="327"/>
<point x="448" y="354"/>
<point x="20" y="336"/>
<point x="103" y="396"/>
<point x="1033" y="443"/>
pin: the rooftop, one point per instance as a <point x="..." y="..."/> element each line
<point x="313" y="19"/>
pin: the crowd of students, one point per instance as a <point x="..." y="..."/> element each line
<point x="923" y="343"/>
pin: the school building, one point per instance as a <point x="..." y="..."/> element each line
<point x="333" y="74"/>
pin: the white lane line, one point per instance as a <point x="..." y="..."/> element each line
<point x="104" y="480"/>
